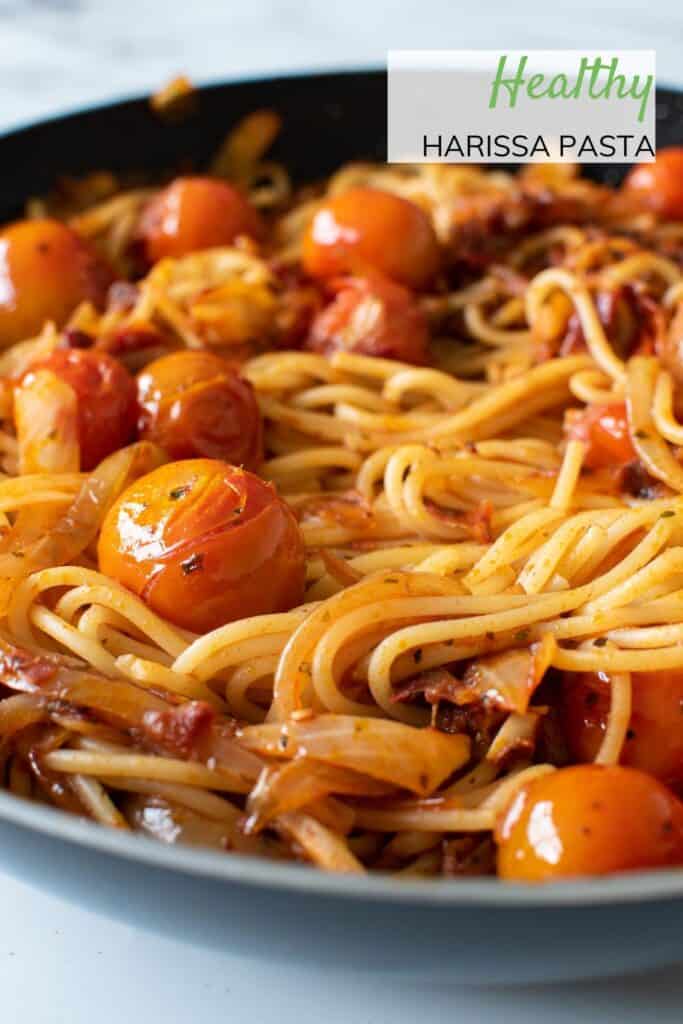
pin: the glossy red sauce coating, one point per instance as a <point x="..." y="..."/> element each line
<point x="204" y="543"/>
<point x="659" y="186"/>
<point x="195" y="213"/>
<point x="46" y="270"/>
<point x="107" y="400"/>
<point x="604" y="428"/>
<point x="195" y="404"/>
<point x="371" y="316"/>
<point x="367" y="229"/>
<point x="654" y="742"/>
<point x="589" y="820"/>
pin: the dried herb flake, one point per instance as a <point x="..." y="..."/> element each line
<point x="192" y="564"/>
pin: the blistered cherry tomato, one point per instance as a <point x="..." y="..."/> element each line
<point x="195" y="213"/>
<point x="195" y="404"/>
<point x="373" y="317"/>
<point x="654" y="741"/>
<point x="46" y="269"/>
<point x="604" y="428"/>
<point x="659" y="186"/>
<point x="204" y="543"/>
<point x="367" y="229"/>
<point x="107" y="400"/>
<point x="589" y="820"/>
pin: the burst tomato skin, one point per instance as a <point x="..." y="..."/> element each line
<point x="371" y="316"/>
<point x="46" y="270"/>
<point x="589" y="820"/>
<point x="204" y="543"/>
<point x="604" y="428"/>
<point x="654" y="742"/>
<point x="367" y="229"/>
<point x="195" y="213"/>
<point x="659" y="186"/>
<point x="107" y="401"/>
<point x="195" y="404"/>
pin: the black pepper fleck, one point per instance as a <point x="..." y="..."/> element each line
<point x="192" y="564"/>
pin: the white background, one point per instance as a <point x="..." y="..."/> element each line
<point x="62" y="964"/>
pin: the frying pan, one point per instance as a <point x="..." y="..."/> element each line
<point x="477" y="930"/>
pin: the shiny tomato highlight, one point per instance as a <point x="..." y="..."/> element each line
<point x="589" y="820"/>
<point x="195" y="213"/>
<point x="371" y="316"/>
<point x="604" y="428"/>
<point x="204" y="543"/>
<point x="46" y="270"/>
<point x="107" y="400"/>
<point x="367" y="229"/>
<point x="654" y="742"/>
<point x="195" y="404"/>
<point x="659" y="186"/>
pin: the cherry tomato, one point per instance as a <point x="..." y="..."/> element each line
<point x="204" y="543"/>
<point x="195" y="213"/>
<point x="107" y="401"/>
<point x="373" y="317"/>
<point x="654" y="741"/>
<point x="604" y="428"/>
<point x="195" y="404"/>
<point x="589" y="820"/>
<point x="46" y="269"/>
<point x="367" y="229"/>
<point x="660" y="185"/>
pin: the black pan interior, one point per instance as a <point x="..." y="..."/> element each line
<point x="328" y="119"/>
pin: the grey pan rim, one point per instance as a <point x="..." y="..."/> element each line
<point x="627" y="888"/>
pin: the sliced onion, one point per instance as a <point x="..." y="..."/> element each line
<point x="415" y="759"/>
<point x="516" y="738"/>
<point x="238" y="158"/>
<point x="46" y="419"/>
<point x="322" y="846"/>
<point x="170" y="823"/>
<point x="189" y="730"/>
<point x="297" y="783"/>
<point x="20" y="711"/>
<point x="508" y="680"/>
<point x="79" y="524"/>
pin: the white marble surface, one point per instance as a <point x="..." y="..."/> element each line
<point x="59" y="963"/>
<point x="64" y="53"/>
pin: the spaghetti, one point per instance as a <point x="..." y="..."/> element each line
<point x="440" y="610"/>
